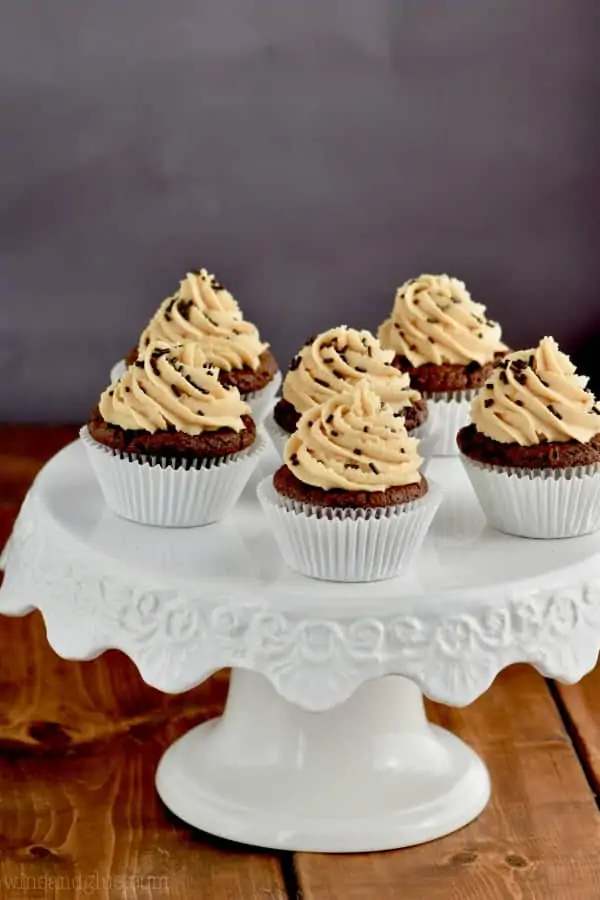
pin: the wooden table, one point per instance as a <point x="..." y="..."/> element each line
<point x="79" y="816"/>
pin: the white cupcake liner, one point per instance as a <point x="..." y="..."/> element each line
<point x="448" y="413"/>
<point x="168" y="493"/>
<point x="348" y="545"/>
<point x="117" y="370"/>
<point x="261" y="402"/>
<point x="538" y="503"/>
<point x="427" y="434"/>
<point x="279" y="436"/>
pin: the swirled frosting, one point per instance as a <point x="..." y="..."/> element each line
<point x="203" y="310"/>
<point x="434" y="320"/>
<point x="338" y="358"/>
<point x="353" y="442"/>
<point x="534" y="396"/>
<point x="172" y="387"/>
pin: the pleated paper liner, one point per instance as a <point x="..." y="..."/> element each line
<point x="278" y="435"/>
<point x="538" y="503"/>
<point x="449" y="411"/>
<point x="171" y="493"/>
<point x="261" y="402"/>
<point x="348" y="545"/>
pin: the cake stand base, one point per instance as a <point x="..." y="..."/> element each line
<point x="370" y="774"/>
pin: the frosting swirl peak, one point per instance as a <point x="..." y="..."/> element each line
<point x="434" y="320"/>
<point x="203" y="310"/>
<point x="340" y="357"/>
<point x="172" y="387"/>
<point x="534" y="396"/>
<point x="353" y="442"/>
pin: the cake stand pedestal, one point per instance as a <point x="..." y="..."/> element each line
<point x="324" y="744"/>
<point x="371" y="774"/>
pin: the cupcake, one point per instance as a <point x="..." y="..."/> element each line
<point x="350" y="502"/>
<point x="169" y="443"/>
<point x="444" y="341"/>
<point x="532" y="451"/>
<point x="332" y="362"/>
<point x="203" y="310"/>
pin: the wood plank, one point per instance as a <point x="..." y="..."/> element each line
<point x="79" y="746"/>
<point x="580" y="704"/>
<point x="23" y="451"/>
<point x="539" y="839"/>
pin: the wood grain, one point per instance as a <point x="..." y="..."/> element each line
<point x="23" y="451"/>
<point x="79" y="815"/>
<point x="580" y="704"/>
<point x="539" y="839"/>
<point x="79" y="746"/>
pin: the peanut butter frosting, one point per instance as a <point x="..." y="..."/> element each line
<point x="330" y="362"/>
<point x="434" y="320"/>
<point x="203" y="310"/>
<point x="353" y="442"/>
<point x="534" y="396"/>
<point x="172" y="387"/>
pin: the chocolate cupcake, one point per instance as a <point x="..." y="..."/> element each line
<point x="331" y="363"/>
<point x="169" y="443"/>
<point x="532" y="451"/>
<point x="350" y="502"/>
<point x="202" y="310"/>
<point x="444" y="341"/>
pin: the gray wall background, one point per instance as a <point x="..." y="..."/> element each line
<point x="313" y="154"/>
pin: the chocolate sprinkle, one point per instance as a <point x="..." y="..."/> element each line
<point x="374" y="468"/>
<point x="519" y="402"/>
<point x="360" y="369"/>
<point x="358" y="452"/>
<point x="321" y="382"/>
<point x="554" y="412"/>
<point x="503" y="377"/>
<point x="295" y="363"/>
<point x="489" y="402"/>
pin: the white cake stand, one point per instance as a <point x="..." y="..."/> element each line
<point x="322" y="746"/>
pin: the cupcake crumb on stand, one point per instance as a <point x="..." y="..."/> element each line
<point x="329" y="364"/>
<point x="350" y="502"/>
<point x="169" y="444"/>
<point x="444" y="341"/>
<point x="532" y="452"/>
